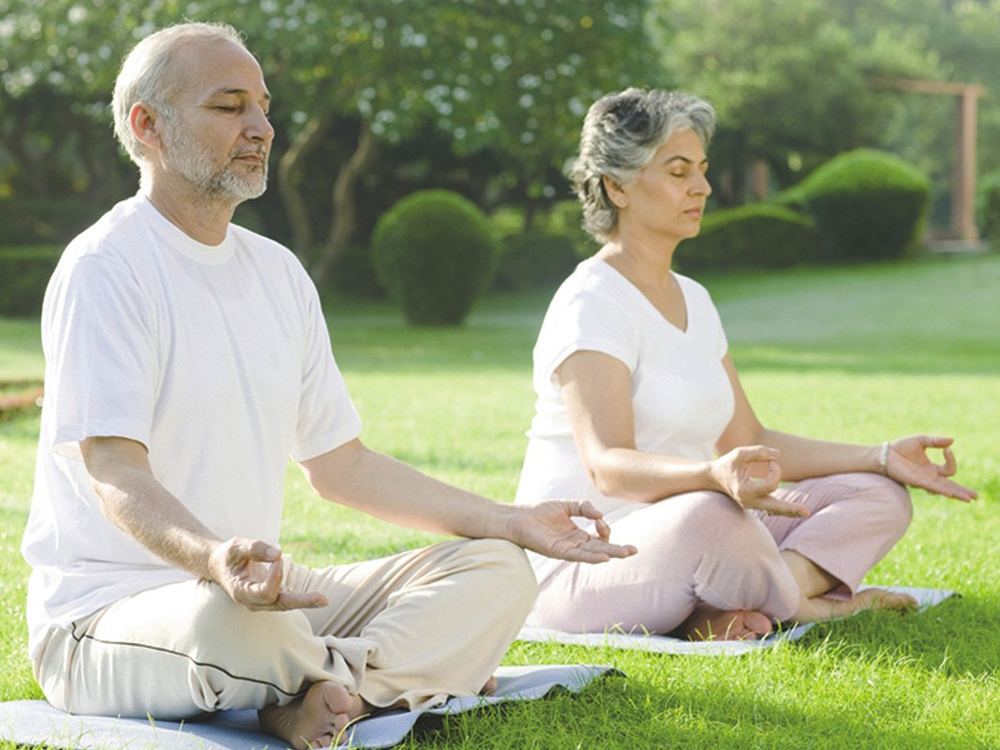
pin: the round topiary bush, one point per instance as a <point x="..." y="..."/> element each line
<point x="759" y="235"/>
<point x="434" y="253"/>
<point x="988" y="207"/>
<point x="535" y="260"/>
<point x="868" y="205"/>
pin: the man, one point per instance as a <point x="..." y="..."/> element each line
<point x="186" y="358"/>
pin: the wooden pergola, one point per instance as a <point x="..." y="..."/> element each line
<point x="963" y="185"/>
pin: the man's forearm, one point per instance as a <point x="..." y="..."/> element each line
<point x="133" y="500"/>
<point x="392" y="491"/>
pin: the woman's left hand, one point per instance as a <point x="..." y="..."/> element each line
<point x="908" y="463"/>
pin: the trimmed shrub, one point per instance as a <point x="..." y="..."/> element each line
<point x="24" y="274"/>
<point x="54" y="221"/>
<point x="988" y="208"/>
<point x="868" y="205"/>
<point x="434" y="252"/>
<point x="759" y="235"/>
<point x="535" y="260"/>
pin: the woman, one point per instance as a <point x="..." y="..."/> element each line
<point x="640" y="410"/>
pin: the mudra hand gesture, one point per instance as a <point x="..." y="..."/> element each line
<point x="907" y="462"/>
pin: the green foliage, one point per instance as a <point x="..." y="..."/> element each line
<point x="353" y="275"/>
<point x="868" y="205"/>
<point x="38" y="221"/>
<point x="434" y="252"/>
<point x="758" y="235"/>
<point x="988" y="207"/>
<point x="535" y="260"/>
<point x="24" y="274"/>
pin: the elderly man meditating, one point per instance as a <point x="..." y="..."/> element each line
<point x="186" y="359"/>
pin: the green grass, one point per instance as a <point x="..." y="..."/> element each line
<point x="850" y="354"/>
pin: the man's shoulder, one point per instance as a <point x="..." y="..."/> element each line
<point x="264" y="246"/>
<point x="106" y="238"/>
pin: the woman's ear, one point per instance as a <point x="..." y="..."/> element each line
<point x="143" y="122"/>
<point x="615" y="192"/>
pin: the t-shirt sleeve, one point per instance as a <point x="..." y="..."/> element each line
<point x="585" y="322"/>
<point x="100" y="358"/>
<point x="327" y="417"/>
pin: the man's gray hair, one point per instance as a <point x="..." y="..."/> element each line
<point x="145" y="77"/>
<point x="620" y="134"/>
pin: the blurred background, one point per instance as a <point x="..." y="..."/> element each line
<point x="378" y="99"/>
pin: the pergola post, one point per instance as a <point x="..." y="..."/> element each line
<point x="963" y="187"/>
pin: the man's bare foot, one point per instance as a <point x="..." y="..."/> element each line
<point x="316" y="719"/>
<point x="707" y="623"/>
<point x="490" y="687"/>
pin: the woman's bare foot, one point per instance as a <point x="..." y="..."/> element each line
<point x="490" y="687"/>
<point x="821" y="608"/>
<point x="316" y="719"/>
<point x="707" y="623"/>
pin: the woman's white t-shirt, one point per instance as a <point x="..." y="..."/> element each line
<point x="682" y="399"/>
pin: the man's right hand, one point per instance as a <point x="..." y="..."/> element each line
<point x="250" y="571"/>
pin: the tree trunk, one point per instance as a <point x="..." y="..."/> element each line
<point x="288" y="187"/>
<point x="344" y="204"/>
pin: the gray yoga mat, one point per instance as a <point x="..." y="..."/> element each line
<point x="667" y="645"/>
<point x="37" y="722"/>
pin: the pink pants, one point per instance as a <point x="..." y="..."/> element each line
<point x="702" y="547"/>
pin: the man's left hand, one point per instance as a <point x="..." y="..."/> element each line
<point x="548" y="528"/>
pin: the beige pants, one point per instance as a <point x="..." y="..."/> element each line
<point x="416" y="627"/>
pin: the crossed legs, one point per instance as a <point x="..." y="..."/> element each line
<point x="707" y="569"/>
<point x="408" y="630"/>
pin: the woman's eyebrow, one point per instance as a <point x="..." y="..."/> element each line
<point x="684" y="159"/>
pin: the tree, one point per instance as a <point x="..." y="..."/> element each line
<point x="789" y="79"/>
<point x="511" y="76"/>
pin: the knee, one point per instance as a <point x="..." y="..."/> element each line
<point x="712" y="520"/>
<point x="510" y="568"/>
<point x="891" y="501"/>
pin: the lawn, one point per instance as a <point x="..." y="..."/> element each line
<point x="849" y="354"/>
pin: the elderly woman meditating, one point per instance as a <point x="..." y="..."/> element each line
<point x="640" y="410"/>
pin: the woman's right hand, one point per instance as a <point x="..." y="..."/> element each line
<point x="749" y="474"/>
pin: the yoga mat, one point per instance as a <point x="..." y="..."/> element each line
<point x="666" y="645"/>
<point x="37" y="722"/>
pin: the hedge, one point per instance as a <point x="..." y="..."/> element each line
<point x="868" y="205"/>
<point x="758" y="235"/>
<point x="988" y="207"/>
<point x="24" y="274"/>
<point x="535" y="260"/>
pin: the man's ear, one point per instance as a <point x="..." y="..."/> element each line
<point x="616" y="194"/>
<point x="144" y="122"/>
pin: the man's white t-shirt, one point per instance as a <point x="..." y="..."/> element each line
<point x="216" y="358"/>
<point x="682" y="399"/>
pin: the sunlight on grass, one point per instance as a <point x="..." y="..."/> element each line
<point x="845" y="354"/>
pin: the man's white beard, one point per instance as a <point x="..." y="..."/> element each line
<point x="187" y="157"/>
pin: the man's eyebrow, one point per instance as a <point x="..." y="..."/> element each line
<point x="239" y="92"/>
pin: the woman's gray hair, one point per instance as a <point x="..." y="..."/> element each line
<point x="145" y="75"/>
<point x="620" y="134"/>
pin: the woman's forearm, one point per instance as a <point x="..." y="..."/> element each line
<point x="804" y="458"/>
<point x="630" y="474"/>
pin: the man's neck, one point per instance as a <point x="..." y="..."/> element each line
<point x="204" y="218"/>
